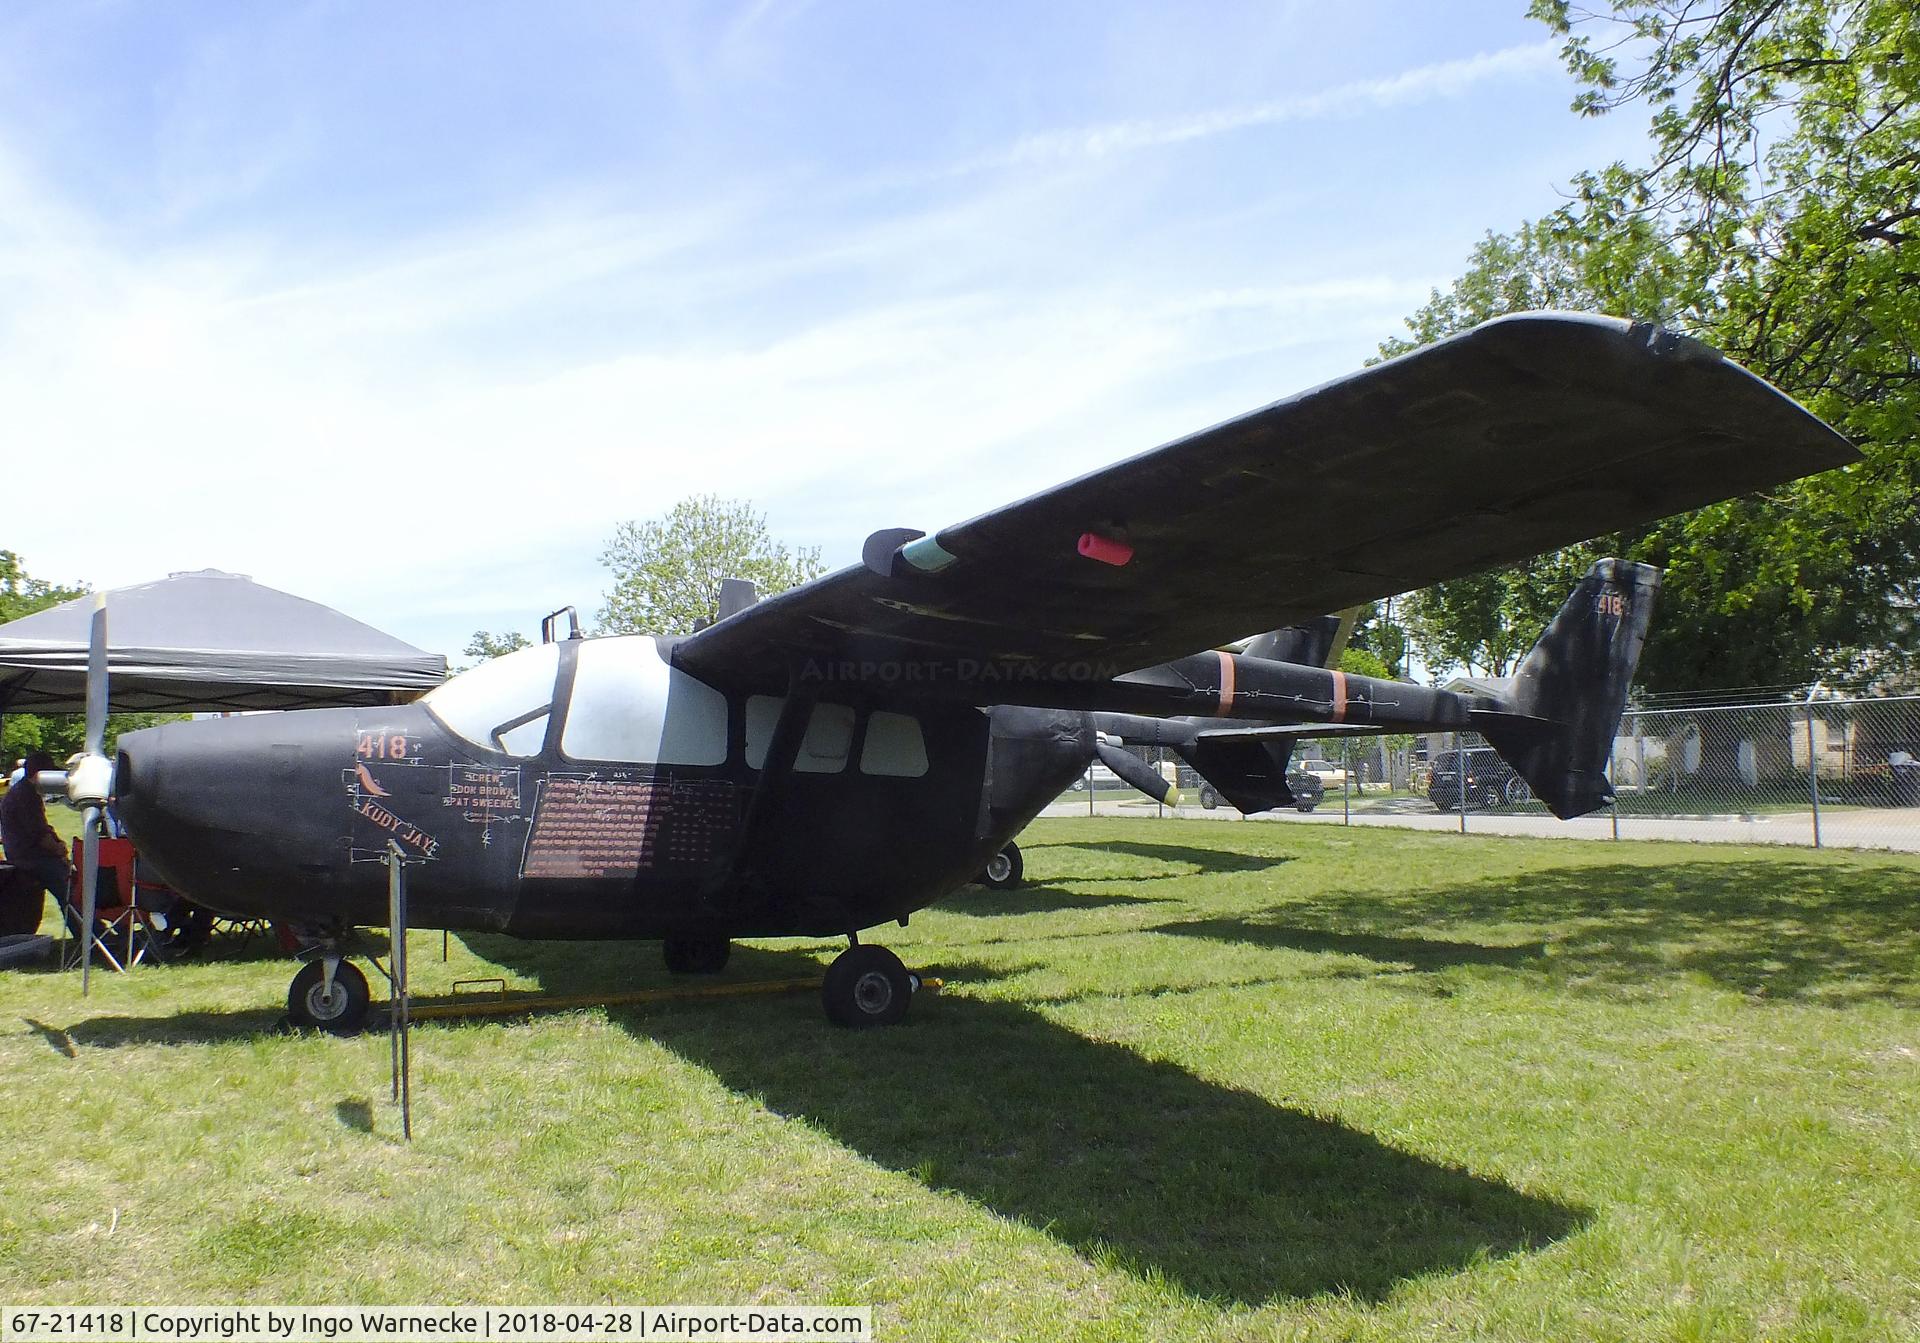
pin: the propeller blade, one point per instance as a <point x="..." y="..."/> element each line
<point x="89" y="876"/>
<point x="97" y="678"/>
<point x="1137" y="772"/>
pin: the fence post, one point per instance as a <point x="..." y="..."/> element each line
<point x="1813" y="773"/>
<point x="1613" y="787"/>
<point x="1159" y="759"/>
<point x="1089" y="788"/>
<point x="1346" y="792"/>
<point x="1460" y="774"/>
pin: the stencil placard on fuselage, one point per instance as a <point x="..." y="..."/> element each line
<point x="589" y="825"/>
<point x="401" y="799"/>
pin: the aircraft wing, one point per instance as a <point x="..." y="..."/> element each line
<point x="1517" y="437"/>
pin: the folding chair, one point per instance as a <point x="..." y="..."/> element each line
<point x="122" y="932"/>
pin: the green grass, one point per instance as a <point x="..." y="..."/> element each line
<point x="1194" y="1081"/>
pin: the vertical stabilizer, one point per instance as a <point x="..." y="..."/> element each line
<point x="1567" y="697"/>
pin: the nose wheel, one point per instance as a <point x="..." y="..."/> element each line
<point x="329" y="994"/>
<point x="867" y="986"/>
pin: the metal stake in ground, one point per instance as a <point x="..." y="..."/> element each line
<point x="398" y="1011"/>
<point x="1613" y="786"/>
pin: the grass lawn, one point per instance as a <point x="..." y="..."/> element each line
<point x="1195" y="1081"/>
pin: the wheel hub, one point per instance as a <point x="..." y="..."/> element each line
<point x="873" y="992"/>
<point x="999" y="866"/>
<point x="326" y="1001"/>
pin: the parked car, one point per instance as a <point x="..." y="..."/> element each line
<point x="1307" y="790"/>
<point x="1103" y="779"/>
<point x="1330" y="775"/>
<point x="1490" y="781"/>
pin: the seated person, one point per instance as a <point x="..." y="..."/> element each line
<point x="30" y="843"/>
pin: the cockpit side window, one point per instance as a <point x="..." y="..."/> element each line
<point x="628" y="704"/>
<point x="502" y="704"/>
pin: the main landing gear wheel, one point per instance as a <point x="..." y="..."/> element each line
<point x="867" y="986"/>
<point x="1003" y="870"/>
<point x="696" y="955"/>
<point x="339" y="1008"/>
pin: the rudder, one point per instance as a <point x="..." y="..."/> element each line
<point x="1567" y="697"/>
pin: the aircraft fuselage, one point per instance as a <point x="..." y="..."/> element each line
<point x="588" y="789"/>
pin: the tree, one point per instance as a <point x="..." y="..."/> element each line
<point x="1777" y="220"/>
<point x="22" y="595"/>
<point x="484" y="644"/>
<point x="1377" y="631"/>
<point x="667" y="571"/>
<point x="1361" y="662"/>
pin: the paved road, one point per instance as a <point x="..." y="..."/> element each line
<point x="1895" y="828"/>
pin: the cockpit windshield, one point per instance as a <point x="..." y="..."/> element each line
<point x="503" y="704"/>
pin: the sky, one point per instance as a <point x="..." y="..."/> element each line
<point x="404" y="308"/>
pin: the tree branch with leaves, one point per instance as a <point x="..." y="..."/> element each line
<point x="667" y="571"/>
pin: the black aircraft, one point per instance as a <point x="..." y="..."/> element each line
<point x="840" y="755"/>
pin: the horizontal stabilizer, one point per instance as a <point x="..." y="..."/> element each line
<point x="1249" y="771"/>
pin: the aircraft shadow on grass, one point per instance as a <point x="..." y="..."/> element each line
<point x="1124" y="1159"/>
<point x="1422" y="953"/>
<point x="1791" y="930"/>
<point x="1063" y="895"/>
<point x="980" y="902"/>
<point x="1201" y="860"/>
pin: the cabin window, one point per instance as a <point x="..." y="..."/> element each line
<point x="629" y="705"/>
<point x="894" y="746"/>
<point x="524" y="738"/>
<point x="822" y="751"/>
<point x="496" y="703"/>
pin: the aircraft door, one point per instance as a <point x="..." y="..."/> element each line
<point x="637" y="804"/>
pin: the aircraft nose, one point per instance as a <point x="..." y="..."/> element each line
<point x="180" y="774"/>
<point x="231" y="812"/>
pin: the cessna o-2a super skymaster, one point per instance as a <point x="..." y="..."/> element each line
<point x="842" y="754"/>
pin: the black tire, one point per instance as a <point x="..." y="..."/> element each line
<point x="866" y="986"/>
<point x="1518" y="793"/>
<point x="1004" y="870"/>
<point x="696" y="955"/>
<point x="1304" y="807"/>
<point x="310" y="1009"/>
<point x="1208" y="798"/>
<point x="1490" y="799"/>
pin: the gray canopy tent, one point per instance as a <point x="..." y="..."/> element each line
<point x="209" y="642"/>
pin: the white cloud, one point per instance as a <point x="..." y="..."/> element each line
<point x="1442" y="79"/>
<point x="447" y="429"/>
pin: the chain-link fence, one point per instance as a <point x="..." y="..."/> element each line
<point x="1841" y="773"/>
